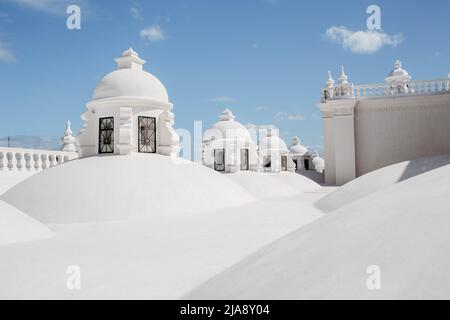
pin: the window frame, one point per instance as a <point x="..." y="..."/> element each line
<point x="100" y="131"/>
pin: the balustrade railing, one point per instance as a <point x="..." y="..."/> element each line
<point x="19" y="159"/>
<point x="411" y="88"/>
<point x="415" y="87"/>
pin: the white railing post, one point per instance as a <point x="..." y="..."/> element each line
<point x="36" y="161"/>
<point x="27" y="157"/>
<point x="9" y="157"/>
<point x="44" y="161"/>
<point x="19" y="164"/>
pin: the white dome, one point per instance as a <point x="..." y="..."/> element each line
<point x="131" y="83"/>
<point x="272" y="141"/>
<point x="130" y="80"/>
<point x="318" y="161"/>
<point x="398" y="72"/>
<point x="227" y="128"/>
<point x="297" y="148"/>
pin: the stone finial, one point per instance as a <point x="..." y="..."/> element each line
<point x="130" y="60"/>
<point x="68" y="141"/>
<point x="343" y="79"/>
<point x="227" y="115"/>
<point x="296" y="141"/>
<point x="330" y="81"/>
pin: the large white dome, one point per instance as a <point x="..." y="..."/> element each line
<point x="131" y="83"/>
<point x="130" y="80"/>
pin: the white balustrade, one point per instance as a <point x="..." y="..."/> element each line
<point x="20" y="159"/>
<point x="415" y="87"/>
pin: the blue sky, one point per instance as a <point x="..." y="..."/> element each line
<point x="264" y="59"/>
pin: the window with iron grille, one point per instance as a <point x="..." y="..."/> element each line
<point x="219" y="159"/>
<point x="244" y="160"/>
<point x="106" y="135"/>
<point x="147" y="134"/>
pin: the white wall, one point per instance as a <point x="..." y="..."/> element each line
<point x="396" y="129"/>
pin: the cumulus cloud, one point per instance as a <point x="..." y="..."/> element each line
<point x="153" y="33"/>
<point x="362" y="42"/>
<point x="223" y="99"/>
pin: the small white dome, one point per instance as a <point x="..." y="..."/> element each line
<point x="398" y="71"/>
<point x="130" y="80"/>
<point x="318" y="161"/>
<point x="227" y="128"/>
<point x="297" y="148"/>
<point x="272" y="141"/>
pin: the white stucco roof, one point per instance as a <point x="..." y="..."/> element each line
<point x="130" y="80"/>
<point x="227" y="128"/>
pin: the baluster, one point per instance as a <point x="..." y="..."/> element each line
<point x="37" y="165"/>
<point x="27" y="161"/>
<point x="2" y="162"/>
<point x="51" y="159"/>
<point x="59" y="159"/>
<point x="66" y="158"/>
<point x="44" y="161"/>
<point x="9" y="157"/>
<point x="19" y="164"/>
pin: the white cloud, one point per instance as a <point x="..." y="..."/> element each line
<point x="362" y="42"/>
<point x="223" y="99"/>
<point x="295" y="117"/>
<point x="262" y="108"/>
<point x="6" y="55"/>
<point x="153" y="33"/>
<point x="280" y="116"/>
<point x="47" y="6"/>
<point x="135" y="13"/>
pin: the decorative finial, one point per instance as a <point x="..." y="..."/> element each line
<point x="227" y="115"/>
<point x="130" y="60"/>
<point x="68" y="141"/>
<point x="398" y="64"/>
<point x="343" y="78"/>
<point x="296" y="141"/>
<point x="330" y="81"/>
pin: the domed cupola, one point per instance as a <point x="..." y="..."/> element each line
<point x="273" y="141"/>
<point x="317" y="160"/>
<point x="228" y="147"/>
<point x="297" y="148"/>
<point x="398" y="79"/>
<point x="130" y="113"/>
<point x="227" y="128"/>
<point x="130" y="80"/>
